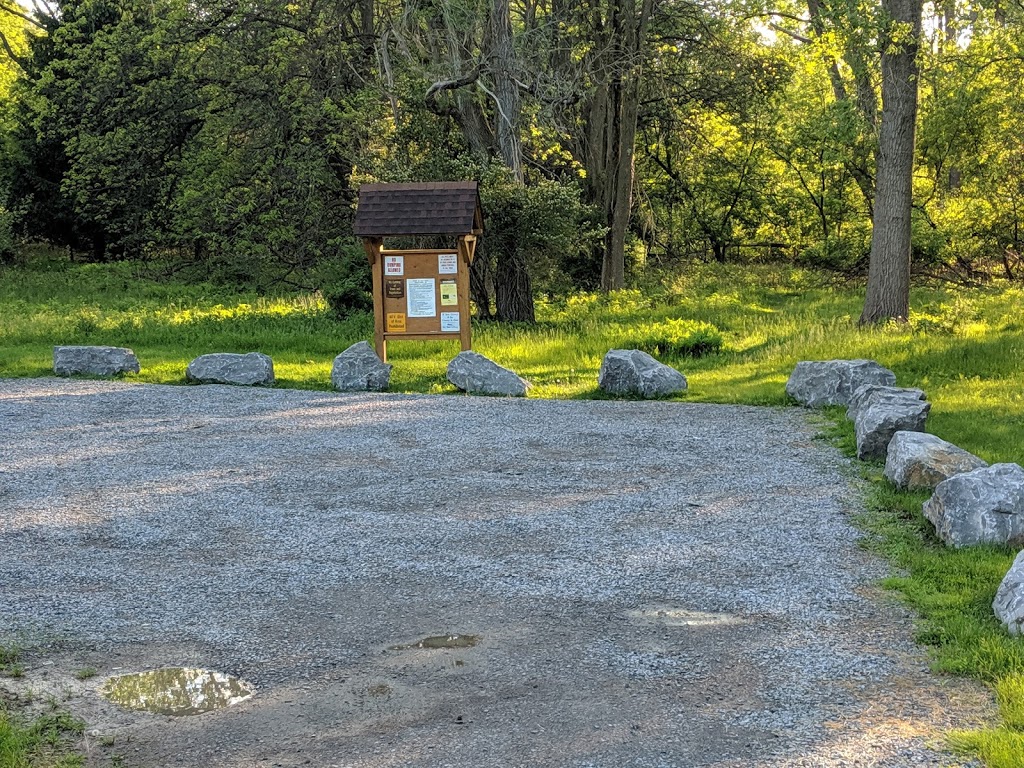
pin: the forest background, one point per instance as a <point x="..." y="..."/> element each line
<point x="225" y="140"/>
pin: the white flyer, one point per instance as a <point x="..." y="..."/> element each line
<point x="421" y="295"/>
<point x="449" y="322"/>
<point x="447" y="263"/>
<point x="394" y="265"/>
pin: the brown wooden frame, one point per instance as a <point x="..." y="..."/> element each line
<point x="375" y="252"/>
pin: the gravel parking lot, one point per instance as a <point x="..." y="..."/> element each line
<point x="651" y="583"/>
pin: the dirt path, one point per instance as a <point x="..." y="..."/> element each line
<point x="652" y="584"/>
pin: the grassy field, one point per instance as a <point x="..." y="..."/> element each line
<point x="44" y="739"/>
<point x="964" y="347"/>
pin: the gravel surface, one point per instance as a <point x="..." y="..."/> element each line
<point x="654" y="584"/>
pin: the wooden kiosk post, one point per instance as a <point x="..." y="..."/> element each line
<point x="420" y="294"/>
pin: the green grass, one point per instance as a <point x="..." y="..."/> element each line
<point x="964" y="347"/>
<point x="999" y="747"/>
<point x="45" y="741"/>
<point x="10" y="664"/>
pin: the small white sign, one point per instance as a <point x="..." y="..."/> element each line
<point x="449" y="322"/>
<point x="421" y="294"/>
<point x="447" y="263"/>
<point x="394" y="265"/>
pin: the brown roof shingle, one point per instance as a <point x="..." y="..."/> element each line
<point x="427" y="208"/>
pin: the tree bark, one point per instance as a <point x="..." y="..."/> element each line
<point x="507" y="102"/>
<point x="888" y="289"/>
<point x="481" y="286"/>
<point x="611" y="121"/>
<point x="513" y="292"/>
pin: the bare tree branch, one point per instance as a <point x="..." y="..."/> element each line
<point x="20" y="61"/>
<point x="795" y="35"/>
<point x="23" y="16"/>
<point x="430" y="97"/>
<point x="43" y="10"/>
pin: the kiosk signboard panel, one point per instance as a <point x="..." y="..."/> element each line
<point x="423" y="294"/>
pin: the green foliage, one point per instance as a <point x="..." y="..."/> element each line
<point x="45" y="741"/>
<point x="543" y="224"/>
<point x="677" y="337"/>
<point x="345" y="282"/>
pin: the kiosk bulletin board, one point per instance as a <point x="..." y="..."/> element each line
<point x="421" y="295"/>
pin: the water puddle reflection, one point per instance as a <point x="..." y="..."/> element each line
<point x="177" y="691"/>
<point x="679" y="617"/>
<point x="440" y="641"/>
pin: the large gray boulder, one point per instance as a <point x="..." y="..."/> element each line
<point x="358" y="369"/>
<point x="868" y="392"/>
<point x="817" y="383"/>
<point x="472" y="372"/>
<point x="252" y="370"/>
<point x="632" y="372"/>
<point x="94" y="361"/>
<point x="882" y="417"/>
<point x="917" y="460"/>
<point x="1009" y="602"/>
<point x="985" y="506"/>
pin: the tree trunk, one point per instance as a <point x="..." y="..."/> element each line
<point x="888" y="290"/>
<point x="619" y="200"/>
<point x="507" y="103"/>
<point x="611" y="126"/>
<point x="513" y="292"/>
<point x="481" y="285"/>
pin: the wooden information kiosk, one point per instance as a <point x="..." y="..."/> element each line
<point x="420" y="294"/>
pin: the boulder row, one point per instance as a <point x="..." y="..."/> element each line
<point x="985" y="506"/>
<point x="1009" y="602"/>
<point x="472" y="372"/>
<point x="358" y="369"/>
<point x="866" y="393"/>
<point x="251" y="370"/>
<point x="917" y="461"/>
<point x="881" y="416"/>
<point x="94" y="361"/>
<point x="817" y="383"/>
<point x="632" y="372"/>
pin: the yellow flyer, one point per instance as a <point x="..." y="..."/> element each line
<point x="449" y="294"/>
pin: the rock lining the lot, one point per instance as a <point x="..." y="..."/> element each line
<point x="652" y="583"/>
<point x="868" y="392"/>
<point x="250" y="370"/>
<point x="94" y="361"/>
<point x="633" y="372"/>
<point x="1009" y="603"/>
<point x="358" y="369"/>
<point x="985" y="506"/>
<point x="819" y="383"/>
<point x="478" y="375"/>
<point x="882" y="415"/>
<point x="919" y="461"/>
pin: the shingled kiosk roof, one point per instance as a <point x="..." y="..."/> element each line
<point x="429" y="208"/>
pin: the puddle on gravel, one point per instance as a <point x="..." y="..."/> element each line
<point x="440" y="641"/>
<point x="679" y="617"/>
<point x="177" y="691"/>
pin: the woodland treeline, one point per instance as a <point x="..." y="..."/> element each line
<point x="226" y="139"/>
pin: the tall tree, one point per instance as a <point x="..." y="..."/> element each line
<point x="888" y="289"/>
<point x="477" y="86"/>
